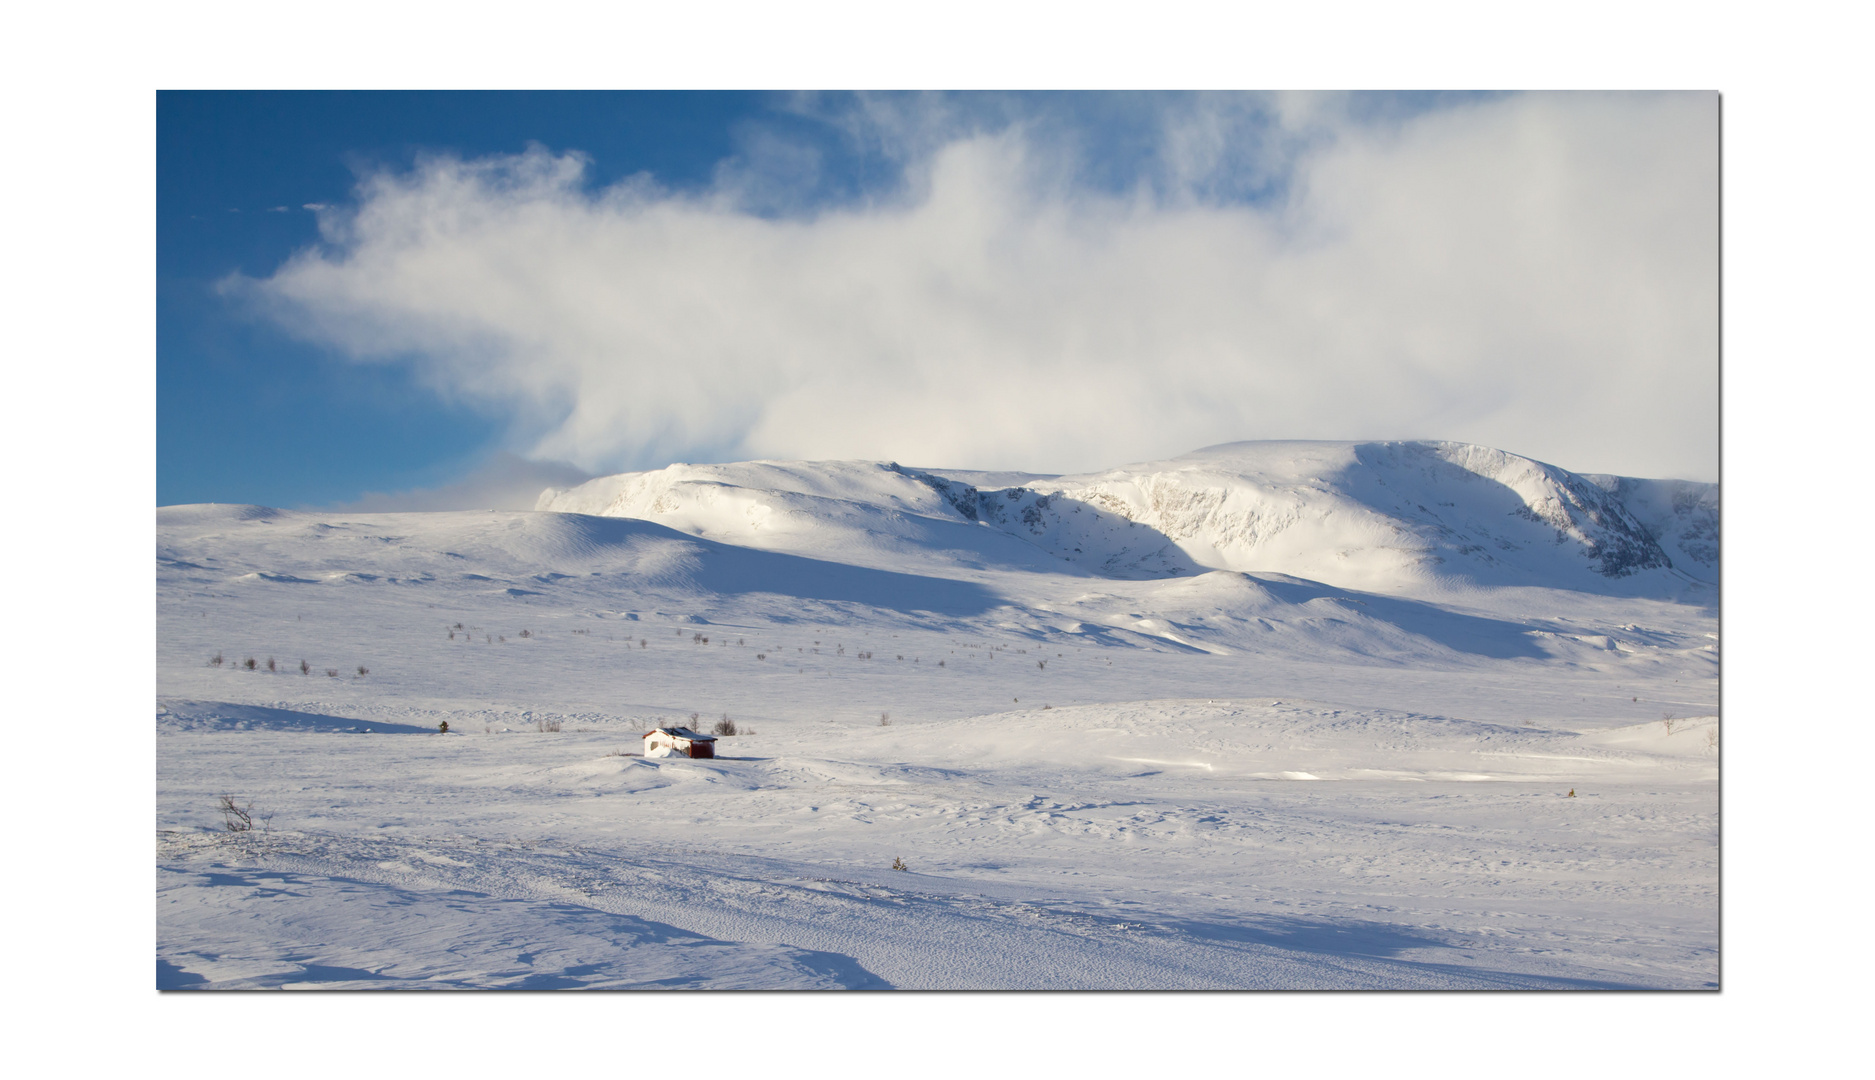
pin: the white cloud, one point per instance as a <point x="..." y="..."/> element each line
<point x="1534" y="272"/>
<point x="503" y="482"/>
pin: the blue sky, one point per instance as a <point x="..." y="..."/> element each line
<point x="248" y="413"/>
<point x="440" y="299"/>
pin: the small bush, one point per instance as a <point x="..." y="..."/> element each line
<point x="237" y="817"/>
<point x="643" y="644"/>
<point x="899" y="864"/>
<point x="270" y="666"/>
<point x="332" y="673"/>
<point x="940" y="663"/>
<point x="693" y="720"/>
<point x="885" y="719"/>
<point x="215" y="660"/>
<point x="243" y="817"/>
<point x="1041" y="665"/>
<point x="761" y="656"/>
<point x="544" y="724"/>
<point x="527" y="633"/>
<point x="304" y="667"/>
<point x="249" y="664"/>
<point x="363" y="671"/>
<point x="725" y="726"/>
<point x="1669" y="721"/>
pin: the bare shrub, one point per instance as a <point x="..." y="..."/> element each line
<point x="940" y="663"/>
<point x="1041" y="665"/>
<point x="1669" y="721"/>
<point x="237" y="817"/>
<point x="693" y="720"/>
<point x="725" y="726"/>
<point x="544" y="724"/>
<point x="885" y="719"/>
<point x="304" y="667"/>
<point x="270" y="666"/>
<point x="1712" y="739"/>
<point x="761" y="656"/>
<point x="899" y="864"/>
<point x="643" y="644"/>
<point x="249" y="664"/>
<point x="363" y="671"/>
<point x="332" y="673"/>
<point x="215" y="660"/>
<point x="527" y="633"/>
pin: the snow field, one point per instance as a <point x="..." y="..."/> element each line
<point x="1222" y="778"/>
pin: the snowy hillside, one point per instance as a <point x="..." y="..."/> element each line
<point x="1404" y="517"/>
<point x="1278" y="715"/>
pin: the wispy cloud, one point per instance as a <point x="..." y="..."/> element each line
<point x="504" y="482"/>
<point x="1042" y="284"/>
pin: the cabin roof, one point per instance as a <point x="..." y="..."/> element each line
<point x="681" y="733"/>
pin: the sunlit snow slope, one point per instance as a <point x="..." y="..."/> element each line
<point x="1394" y="516"/>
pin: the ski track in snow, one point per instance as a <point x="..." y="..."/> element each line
<point x="1228" y="779"/>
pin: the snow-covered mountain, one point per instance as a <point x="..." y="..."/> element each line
<point x="1399" y="516"/>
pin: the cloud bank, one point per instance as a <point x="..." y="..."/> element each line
<point x="1016" y="289"/>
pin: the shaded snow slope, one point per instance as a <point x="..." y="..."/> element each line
<point x="631" y="569"/>
<point x="1395" y="516"/>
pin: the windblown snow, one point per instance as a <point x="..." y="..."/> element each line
<point x="1270" y="715"/>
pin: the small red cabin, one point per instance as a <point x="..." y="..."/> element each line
<point x="679" y="742"/>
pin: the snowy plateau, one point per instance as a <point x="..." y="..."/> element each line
<point x="1268" y="715"/>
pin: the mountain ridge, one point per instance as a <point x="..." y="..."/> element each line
<point x="1402" y="515"/>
